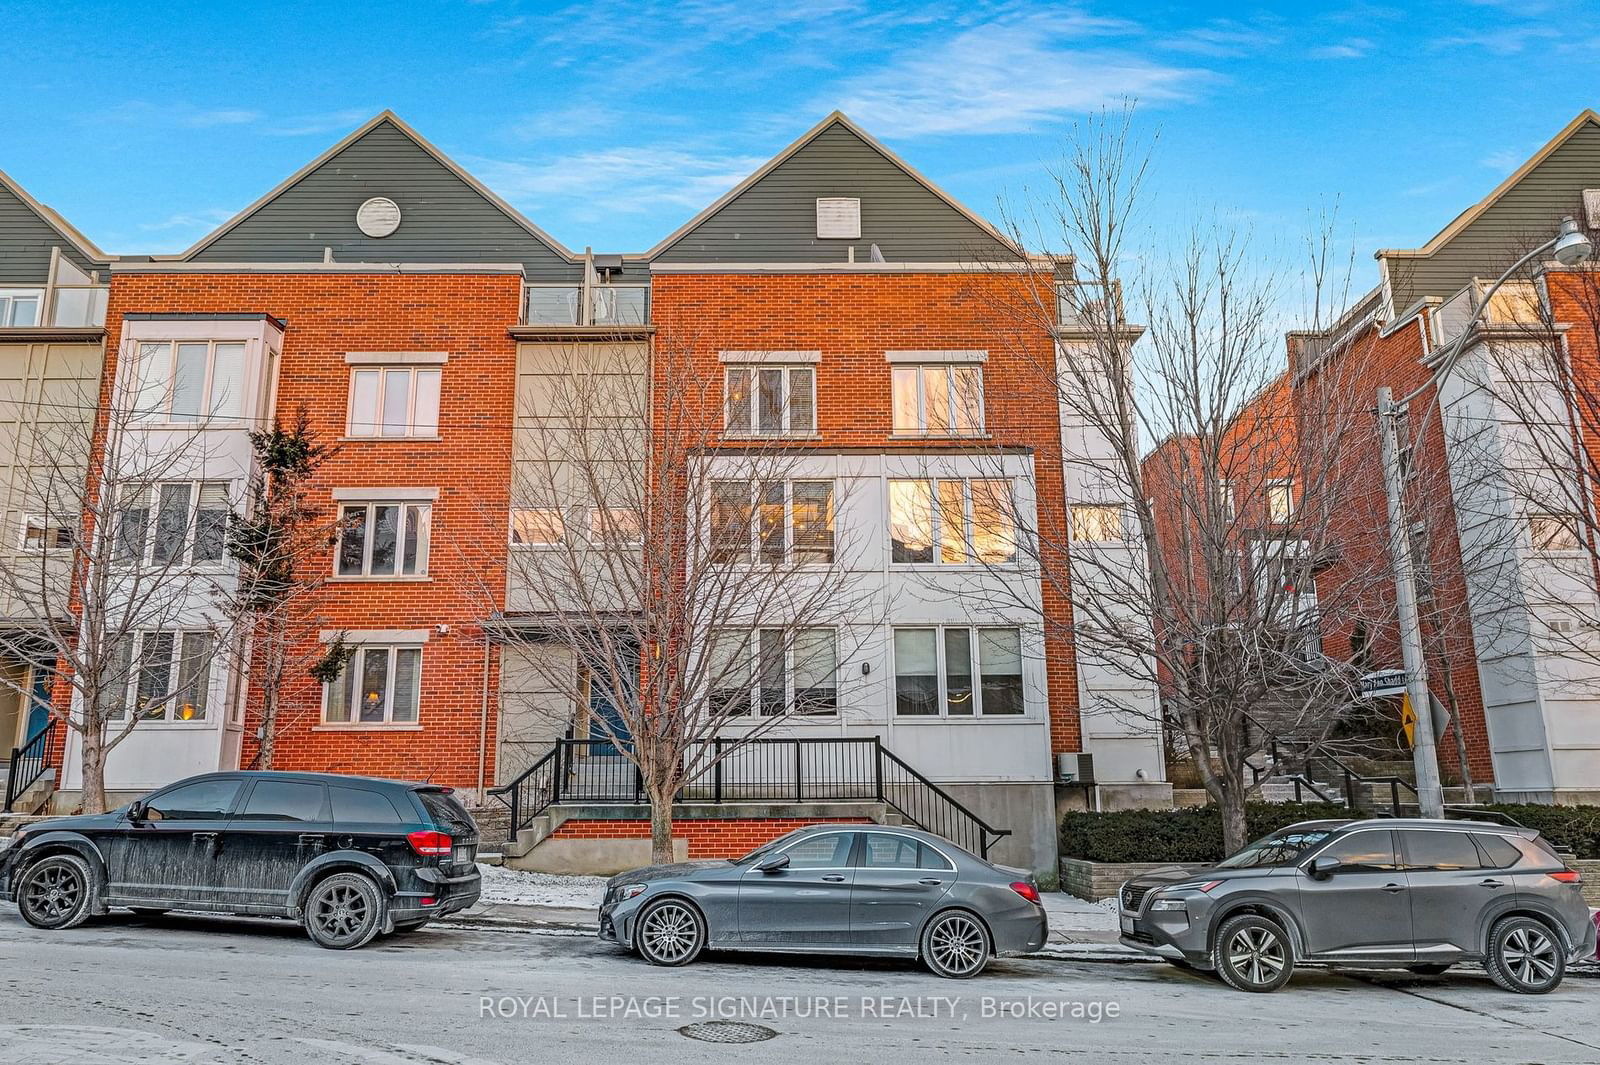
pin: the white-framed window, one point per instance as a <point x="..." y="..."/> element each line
<point x="944" y="399"/>
<point x="538" y="526"/>
<point x="382" y="539"/>
<point x="162" y="675"/>
<point x="381" y="684"/>
<point x="952" y="522"/>
<point x="1097" y="523"/>
<point x="20" y="306"/>
<point x="1280" y="501"/>
<point x="615" y="526"/>
<point x="774" y="673"/>
<point x="47" y="534"/>
<point x="1226" y="501"/>
<point x="772" y="521"/>
<point x="394" y="401"/>
<point x="1554" y="533"/>
<point x="603" y="526"/>
<point x="958" y="671"/>
<point x="174" y="523"/>
<point x="770" y="400"/>
<point x="181" y="382"/>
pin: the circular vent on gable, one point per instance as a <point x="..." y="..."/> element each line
<point x="378" y="217"/>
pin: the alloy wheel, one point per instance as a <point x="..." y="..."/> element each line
<point x="341" y="911"/>
<point x="958" y="945"/>
<point x="671" y="933"/>
<point x="1256" y="954"/>
<point x="1530" y="955"/>
<point x="54" y="892"/>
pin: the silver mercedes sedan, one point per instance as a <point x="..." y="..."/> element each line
<point x="832" y="889"/>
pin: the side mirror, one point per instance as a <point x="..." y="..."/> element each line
<point x="773" y="862"/>
<point x="1324" y="867"/>
<point x="136" y="812"/>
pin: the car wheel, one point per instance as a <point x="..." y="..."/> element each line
<point x="955" y="945"/>
<point x="1431" y="969"/>
<point x="1252" y="953"/>
<point x="1525" y="956"/>
<point x="671" y="932"/>
<point x="57" y="891"/>
<point x="344" y="911"/>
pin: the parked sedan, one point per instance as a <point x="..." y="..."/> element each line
<point x="832" y="889"/>
<point x="1418" y="894"/>
<point x="348" y="857"/>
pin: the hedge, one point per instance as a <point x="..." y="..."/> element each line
<point x="1195" y="834"/>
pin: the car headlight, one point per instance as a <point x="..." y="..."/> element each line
<point x="1169" y="904"/>
<point x="628" y="891"/>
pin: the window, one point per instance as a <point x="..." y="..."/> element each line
<point x="771" y="400"/>
<point x="1554" y="532"/>
<point x="1439" y="851"/>
<point x="756" y="669"/>
<point x="615" y="525"/>
<point x="1280" y="501"/>
<point x="164" y="674"/>
<point x="40" y="534"/>
<point x="1498" y="852"/>
<point x="1367" y="852"/>
<point x="958" y="672"/>
<point x="283" y="800"/>
<point x="20" y="306"/>
<point x="829" y="850"/>
<point x="776" y="521"/>
<point x="967" y="520"/>
<point x="189" y="527"/>
<point x="204" y="800"/>
<point x="1225" y="500"/>
<point x="1097" y="523"/>
<point x="384" y="540"/>
<point x="394" y="401"/>
<point x="938" y="399"/>
<point x="537" y="526"/>
<point x="184" y="381"/>
<point x="378" y="686"/>
<point x="356" y="806"/>
<point x="884" y="851"/>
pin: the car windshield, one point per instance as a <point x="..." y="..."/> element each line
<point x="756" y="854"/>
<point x="1280" y="848"/>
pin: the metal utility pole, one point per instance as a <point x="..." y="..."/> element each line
<point x="1424" y="752"/>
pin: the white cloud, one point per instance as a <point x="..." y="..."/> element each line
<point x="185" y="116"/>
<point x="615" y="180"/>
<point x="205" y="219"/>
<point x="1505" y="160"/>
<point x="326" y="122"/>
<point x="1351" y="48"/>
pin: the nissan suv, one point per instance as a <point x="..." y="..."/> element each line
<point x="1413" y="893"/>
<point x="347" y="857"/>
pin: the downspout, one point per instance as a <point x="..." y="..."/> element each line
<point x="483" y="725"/>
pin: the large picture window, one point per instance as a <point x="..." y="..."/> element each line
<point x="762" y="671"/>
<point x="957" y="671"/>
<point x="952" y="522"/>
<point x="772" y="522"/>
<point x="161" y="675"/>
<point x="938" y="400"/>
<point x="394" y="401"/>
<point x="384" y="539"/>
<point x="380" y="685"/>
<point x="174" y="523"/>
<point x="183" y="381"/>
<point x="771" y="400"/>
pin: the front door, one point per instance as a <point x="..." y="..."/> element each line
<point x="171" y="857"/>
<point x="899" y="881"/>
<point x="39" y="706"/>
<point x="1363" y="909"/>
<point x="603" y="704"/>
<point x="1449" y="889"/>
<point x="806" y="903"/>
<point x="282" y="825"/>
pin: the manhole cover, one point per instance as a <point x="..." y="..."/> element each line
<point x="727" y="1032"/>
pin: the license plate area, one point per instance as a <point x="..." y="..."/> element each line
<point x="464" y="854"/>
<point x="1127" y="925"/>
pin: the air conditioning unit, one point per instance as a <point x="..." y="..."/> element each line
<point x="1075" y="768"/>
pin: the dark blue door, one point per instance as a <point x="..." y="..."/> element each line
<point x="603" y="707"/>
<point x="39" y="705"/>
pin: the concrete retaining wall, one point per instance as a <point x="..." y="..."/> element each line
<point x="1099" y="880"/>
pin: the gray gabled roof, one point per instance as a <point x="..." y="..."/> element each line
<point x="29" y="229"/>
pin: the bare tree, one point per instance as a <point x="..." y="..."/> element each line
<point x="677" y="583"/>
<point x="106" y="579"/>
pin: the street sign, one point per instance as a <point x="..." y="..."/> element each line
<point x="1383" y="682"/>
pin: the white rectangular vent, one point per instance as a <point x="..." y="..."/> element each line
<point x="839" y="217"/>
<point x="1591" y="207"/>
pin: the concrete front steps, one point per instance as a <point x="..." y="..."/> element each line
<point x="605" y="839"/>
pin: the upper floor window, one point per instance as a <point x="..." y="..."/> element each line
<point x="956" y="671"/>
<point x="776" y="520"/>
<point x="183" y="381"/>
<point x="604" y="526"/>
<point x="952" y="522"/>
<point x="384" y="539"/>
<point x="379" y="685"/>
<point x="765" y="671"/>
<point x="47" y="534"/>
<point x="173" y="523"/>
<point x="162" y="674"/>
<point x="1096" y="523"/>
<point x="1280" y="501"/>
<point x="771" y="400"/>
<point x="1554" y="532"/>
<point x="943" y="399"/>
<point x="394" y="401"/>
<point x="20" y="306"/>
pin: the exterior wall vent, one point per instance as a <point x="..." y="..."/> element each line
<point x="1591" y="208"/>
<point x="838" y="218"/>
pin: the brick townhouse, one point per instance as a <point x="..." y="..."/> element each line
<point x="414" y="316"/>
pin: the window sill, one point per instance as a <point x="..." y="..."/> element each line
<point x="924" y="437"/>
<point x="768" y="437"/>
<point x="390" y="439"/>
<point x="349" y="579"/>
<point x="158" y="725"/>
<point x="979" y="719"/>
<point x="952" y="567"/>
<point x="365" y="726"/>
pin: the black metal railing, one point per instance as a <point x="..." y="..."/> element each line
<point x="799" y="770"/>
<point x="1301" y="764"/>
<point x="28" y="763"/>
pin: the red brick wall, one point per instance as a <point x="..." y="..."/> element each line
<point x="852" y="319"/>
<point x="706" y="837"/>
<point x="327" y="315"/>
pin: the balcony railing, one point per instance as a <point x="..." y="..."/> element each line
<point x="1087" y="305"/>
<point x="562" y="304"/>
<point x="70" y="306"/>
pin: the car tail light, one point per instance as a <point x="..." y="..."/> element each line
<point x="1026" y="890"/>
<point x="1568" y="876"/>
<point x="430" y="901"/>
<point x="430" y="844"/>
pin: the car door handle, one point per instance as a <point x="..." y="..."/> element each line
<point x="311" y="839"/>
<point x="1492" y="883"/>
<point x="834" y="878"/>
<point x="931" y="881"/>
<point x="1392" y="888"/>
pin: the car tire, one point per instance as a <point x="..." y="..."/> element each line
<point x="955" y="945"/>
<point x="57" y="891"/>
<point x="670" y="932"/>
<point x="1253" y="953"/>
<point x="1430" y="969"/>
<point x="345" y="911"/>
<point x="1525" y="956"/>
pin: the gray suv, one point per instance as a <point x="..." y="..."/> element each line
<point x="1417" y="894"/>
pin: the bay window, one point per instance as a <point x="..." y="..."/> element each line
<point x="384" y="539"/>
<point x="161" y="675"/>
<point x="379" y="685"/>
<point x="394" y="401"/>
<point x="174" y="523"/>
<point x="182" y="382"/>
<point x="958" y="671"/>
<point x="771" y="400"/>
<point x="952" y="522"/>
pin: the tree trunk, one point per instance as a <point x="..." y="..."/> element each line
<point x="1235" y="834"/>
<point x="94" y="772"/>
<point x="660" y="829"/>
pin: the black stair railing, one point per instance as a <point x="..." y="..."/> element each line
<point x="1282" y="755"/>
<point x="760" y="770"/>
<point x="28" y="763"/>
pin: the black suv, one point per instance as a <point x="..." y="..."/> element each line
<point x="348" y="857"/>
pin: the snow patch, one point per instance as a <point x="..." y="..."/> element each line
<point x="1069" y="913"/>
<point x="514" y="887"/>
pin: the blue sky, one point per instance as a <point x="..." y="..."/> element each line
<point x="609" y="123"/>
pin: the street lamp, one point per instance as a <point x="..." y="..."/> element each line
<point x="1570" y="246"/>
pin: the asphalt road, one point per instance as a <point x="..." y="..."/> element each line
<point x="199" y="991"/>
